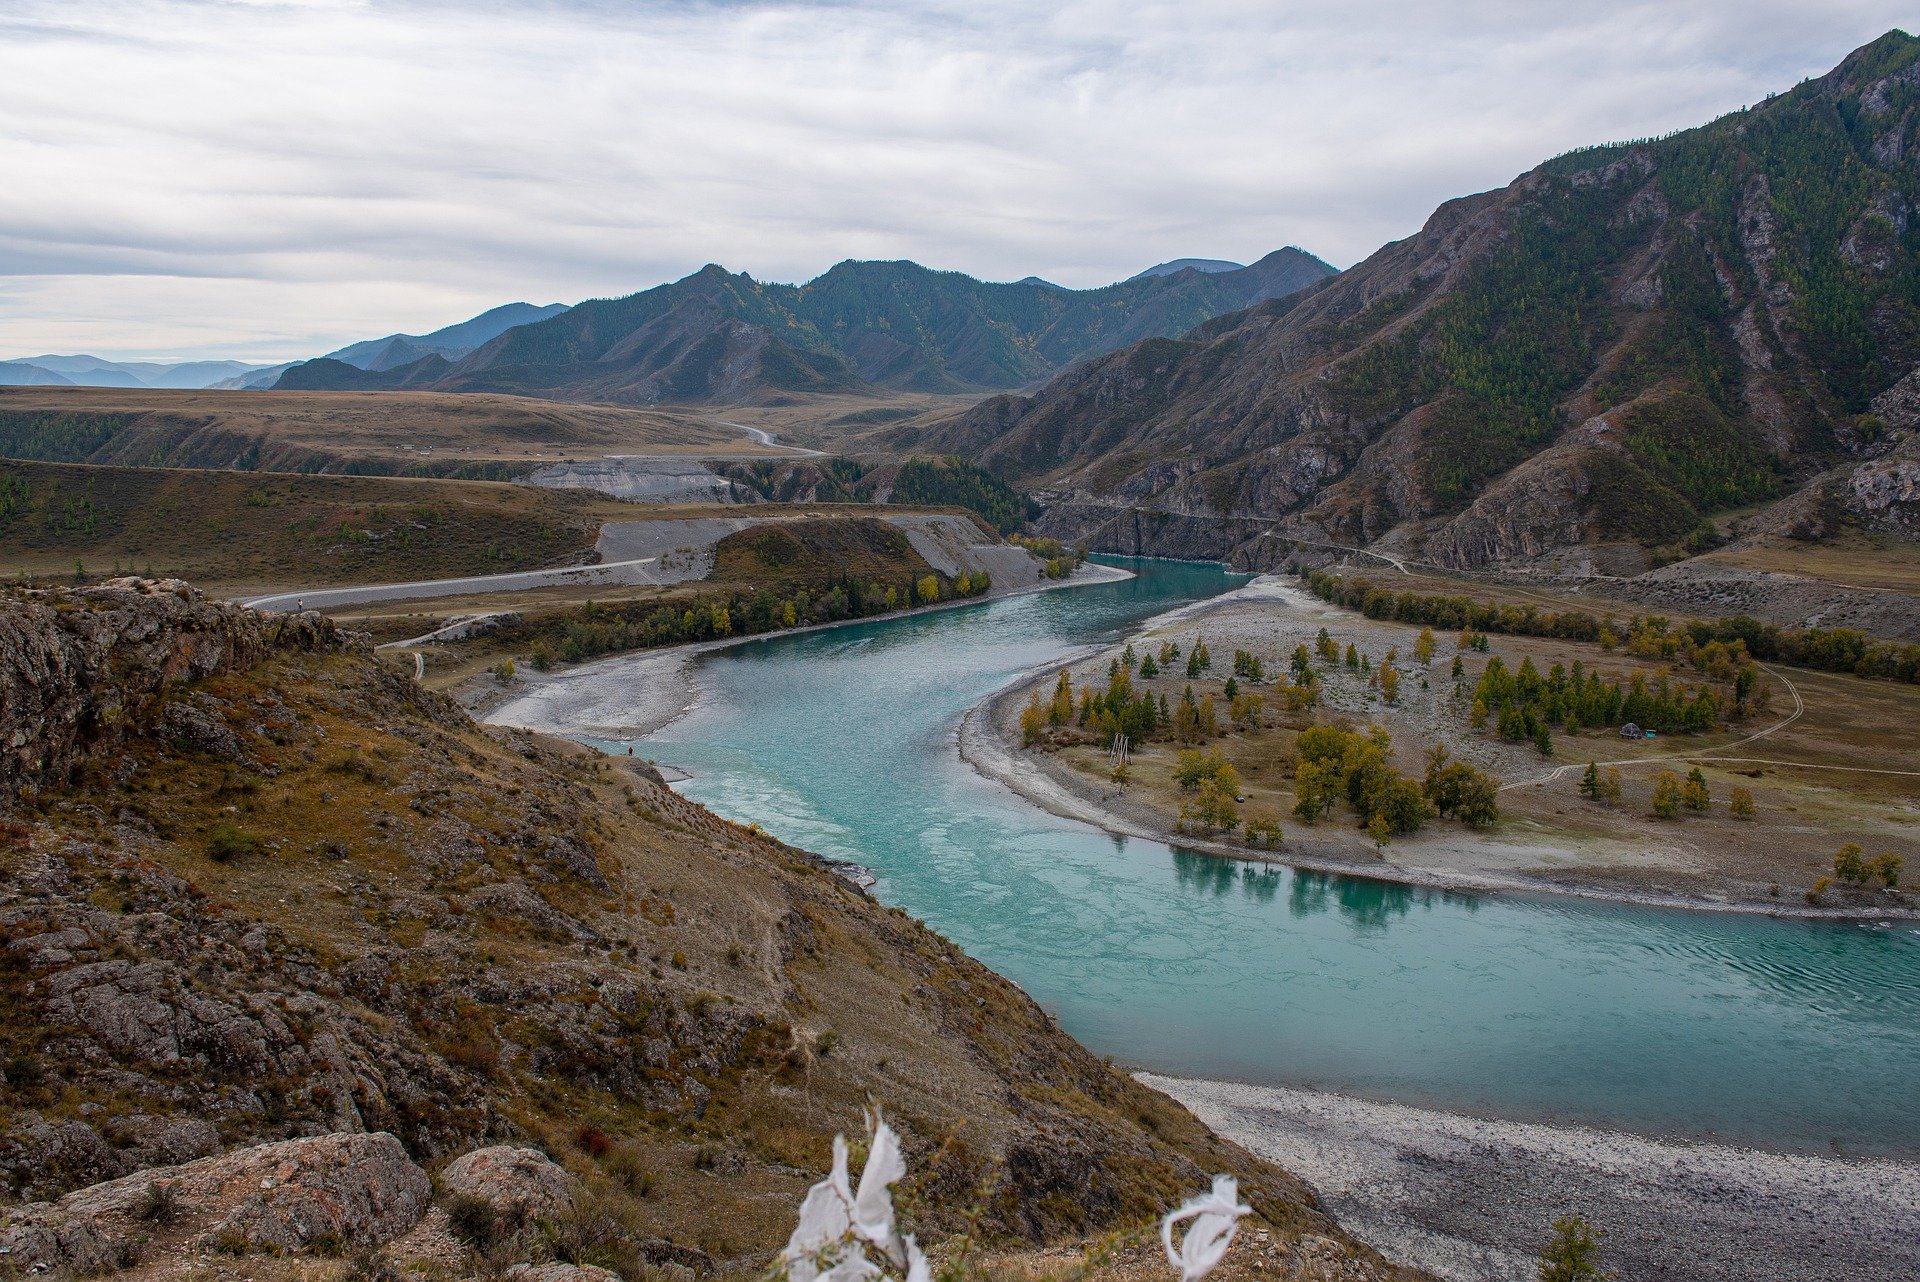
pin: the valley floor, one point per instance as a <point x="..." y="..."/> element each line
<point x="1469" y="1199"/>
<point x="1842" y="770"/>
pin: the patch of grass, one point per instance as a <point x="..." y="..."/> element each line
<point x="227" y="842"/>
<point x="159" y="1204"/>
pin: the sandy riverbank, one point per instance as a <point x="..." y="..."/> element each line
<point x="630" y="696"/>
<point x="1472" y="1199"/>
<point x="1664" y="868"/>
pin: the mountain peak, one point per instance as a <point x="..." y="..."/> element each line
<point x="1172" y="266"/>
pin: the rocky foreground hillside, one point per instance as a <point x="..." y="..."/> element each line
<point x="258" y="886"/>
<point x="1624" y="343"/>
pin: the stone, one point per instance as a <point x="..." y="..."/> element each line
<point x="560" y="1273"/>
<point x="513" y="1181"/>
<point x="354" y="1189"/>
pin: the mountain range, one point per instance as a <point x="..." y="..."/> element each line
<point x="718" y="336"/>
<point x="390" y="352"/>
<point x="92" y="371"/>
<point x="396" y="351"/>
<point x="1621" y="344"/>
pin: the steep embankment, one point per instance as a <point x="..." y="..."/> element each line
<point x="1623" y="342"/>
<point x="260" y="885"/>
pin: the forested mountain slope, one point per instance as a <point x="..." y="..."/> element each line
<point x="1623" y="342"/>
<point x="723" y="337"/>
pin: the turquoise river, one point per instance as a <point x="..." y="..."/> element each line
<point x="1775" y="1033"/>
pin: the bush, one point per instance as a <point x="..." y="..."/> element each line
<point x="473" y="1220"/>
<point x="1848" y="865"/>
<point x="226" y="841"/>
<point x="159" y="1204"/>
<point x="1740" y="801"/>
<point x="1572" y="1254"/>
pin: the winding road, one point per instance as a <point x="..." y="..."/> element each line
<point x="612" y="573"/>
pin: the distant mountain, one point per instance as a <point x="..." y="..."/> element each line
<point x="1188" y="264"/>
<point x="23" y="374"/>
<point x="329" y="375"/>
<point x="92" y="371"/>
<point x="716" y="336"/>
<point x="1625" y="341"/>
<point x="192" y="374"/>
<point x="451" y="341"/>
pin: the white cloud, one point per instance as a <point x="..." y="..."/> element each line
<point x="270" y="179"/>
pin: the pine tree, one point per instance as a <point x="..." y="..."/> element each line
<point x="1666" y="795"/>
<point x="1423" y="647"/>
<point x="1694" y="794"/>
<point x="1590" y="782"/>
<point x="1060" y="711"/>
<point x="1572" y="1254"/>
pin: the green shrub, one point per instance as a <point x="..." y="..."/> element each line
<point x="227" y="842"/>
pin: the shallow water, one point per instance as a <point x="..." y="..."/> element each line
<point x="1775" y="1033"/>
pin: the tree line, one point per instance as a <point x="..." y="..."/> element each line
<point x="1843" y="650"/>
<point x="597" y="629"/>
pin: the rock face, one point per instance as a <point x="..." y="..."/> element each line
<point x="1604" y="302"/>
<point x="351" y="1190"/>
<point x="513" y="1181"/>
<point x="76" y="680"/>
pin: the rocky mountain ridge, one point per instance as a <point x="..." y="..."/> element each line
<point x="1596" y="360"/>
<point x="722" y="337"/>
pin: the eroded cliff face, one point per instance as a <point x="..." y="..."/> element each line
<point x="256" y="884"/>
<point x="84" y="668"/>
<point x="1607" y="351"/>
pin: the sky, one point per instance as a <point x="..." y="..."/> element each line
<point x="269" y="179"/>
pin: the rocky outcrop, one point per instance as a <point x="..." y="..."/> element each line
<point x="87" y="666"/>
<point x="1885" y="493"/>
<point x="342" y="1190"/>
<point x="560" y="1273"/>
<point x="515" y="1182"/>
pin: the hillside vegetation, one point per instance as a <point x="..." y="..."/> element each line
<point x="1622" y="343"/>
<point x="264" y="885"/>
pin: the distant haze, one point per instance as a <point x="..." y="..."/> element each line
<point x="263" y="180"/>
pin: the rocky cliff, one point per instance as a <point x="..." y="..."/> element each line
<point x="255" y="885"/>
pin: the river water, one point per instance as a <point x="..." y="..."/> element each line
<point x="1773" y="1033"/>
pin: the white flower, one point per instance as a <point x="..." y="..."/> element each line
<point x="837" y="1224"/>
<point x="873" y="1205"/>
<point x="917" y="1270"/>
<point x="1215" y="1217"/>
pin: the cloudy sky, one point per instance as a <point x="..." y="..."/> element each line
<point x="266" y="179"/>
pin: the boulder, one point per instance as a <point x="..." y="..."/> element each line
<point x="560" y="1273"/>
<point x="350" y="1189"/>
<point x="513" y="1181"/>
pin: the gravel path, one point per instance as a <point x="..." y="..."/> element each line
<point x="1472" y="1200"/>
